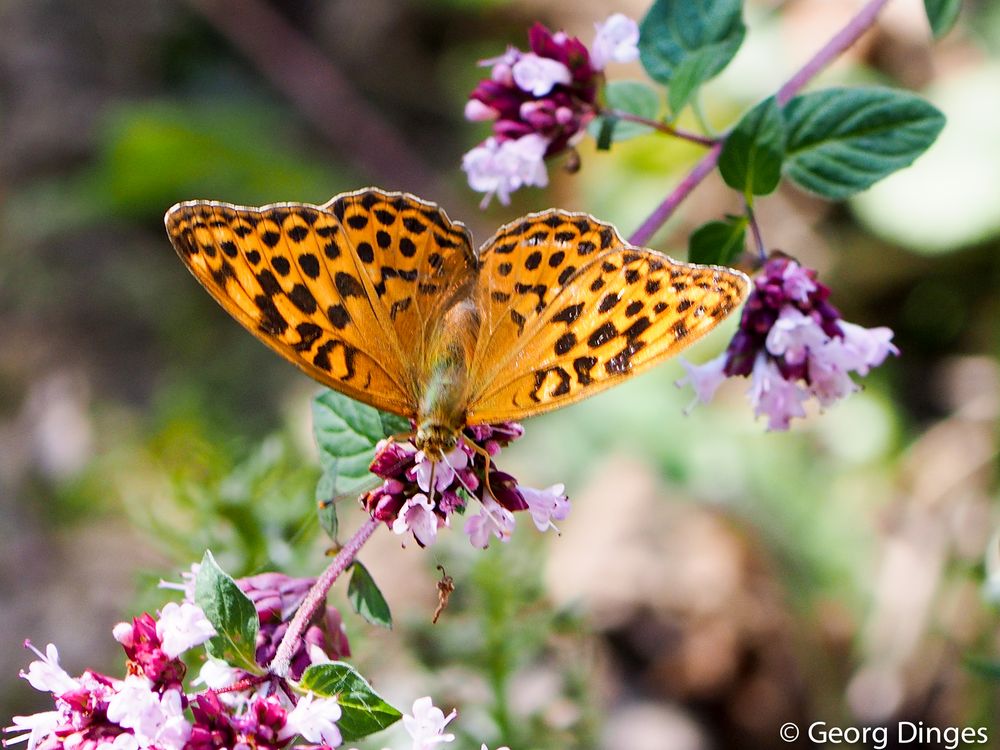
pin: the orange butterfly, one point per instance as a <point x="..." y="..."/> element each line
<point x="382" y="297"/>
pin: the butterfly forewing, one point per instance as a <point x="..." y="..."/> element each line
<point x="585" y="310"/>
<point x="291" y="276"/>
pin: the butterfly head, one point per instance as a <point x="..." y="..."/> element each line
<point x="435" y="439"/>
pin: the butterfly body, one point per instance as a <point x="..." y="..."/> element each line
<point x="380" y="296"/>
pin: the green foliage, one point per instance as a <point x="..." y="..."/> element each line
<point x="718" y="242"/>
<point x="346" y="432"/>
<point x="231" y="613"/>
<point x="684" y="44"/>
<point x="366" y="598"/>
<point x="942" y="15"/>
<point x="634" y="97"/>
<point x="364" y="710"/>
<point x="752" y="155"/>
<point x="154" y="154"/>
<point x="844" y="140"/>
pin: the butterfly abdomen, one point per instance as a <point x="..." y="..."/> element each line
<point x="445" y="388"/>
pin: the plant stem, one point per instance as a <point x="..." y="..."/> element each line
<point x="838" y="44"/>
<point x="662" y="127"/>
<point x="282" y="662"/>
<point x="664" y="211"/>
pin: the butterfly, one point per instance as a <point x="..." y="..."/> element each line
<point x="379" y="295"/>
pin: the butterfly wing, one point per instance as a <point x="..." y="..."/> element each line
<point x="569" y="309"/>
<point x="339" y="290"/>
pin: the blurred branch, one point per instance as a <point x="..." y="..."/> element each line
<point x="326" y="98"/>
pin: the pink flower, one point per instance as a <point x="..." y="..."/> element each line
<point x="492" y="520"/>
<point x="539" y="75"/>
<point x="45" y="674"/>
<point x="426" y="725"/>
<point x="545" y="505"/>
<point x="794" y="346"/>
<point x="499" y="168"/>
<point x="181" y="627"/>
<point x="617" y="40"/>
<point x="417" y="517"/>
<point x="315" y="719"/>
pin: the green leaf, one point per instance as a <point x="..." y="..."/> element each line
<point x="683" y="44"/>
<point x="988" y="668"/>
<point x="364" y="711"/>
<point x="753" y="152"/>
<point x="718" y="243"/>
<point x="606" y="126"/>
<point x="942" y="15"/>
<point x="366" y="598"/>
<point x="841" y="141"/>
<point x="346" y="432"/>
<point x="326" y="508"/>
<point x="231" y="613"/>
<point x="634" y="97"/>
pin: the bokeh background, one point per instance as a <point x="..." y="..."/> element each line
<point x="713" y="581"/>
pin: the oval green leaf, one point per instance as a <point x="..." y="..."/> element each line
<point x="683" y="44"/>
<point x="942" y="15"/>
<point x="844" y="140"/>
<point x="346" y="432"/>
<point x="366" y="598"/>
<point x="231" y="613"/>
<point x="364" y="711"/>
<point x="754" y="150"/>
<point x="718" y="243"/>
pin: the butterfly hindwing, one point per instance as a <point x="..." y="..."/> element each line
<point x="583" y="311"/>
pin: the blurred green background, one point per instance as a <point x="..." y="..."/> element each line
<point x="713" y="581"/>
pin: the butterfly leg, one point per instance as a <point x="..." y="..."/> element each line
<point x="486" y="471"/>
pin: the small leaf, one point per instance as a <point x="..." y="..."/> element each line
<point x="364" y="711"/>
<point x="606" y="126"/>
<point x="683" y="44"/>
<point x="752" y="155"/>
<point x="346" y="432"/>
<point x="326" y="508"/>
<point x="841" y="141"/>
<point x="366" y="598"/>
<point x="718" y="243"/>
<point x="231" y="613"/>
<point x="942" y="15"/>
<point x="635" y="98"/>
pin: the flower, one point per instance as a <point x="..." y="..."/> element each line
<point x="45" y="674"/>
<point x="426" y="724"/>
<point x="539" y="102"/>
<point x="499" y="168"/>
<point x="544" y="505"/>
<point x="182" y="626"/>
<point x="617" y="40"/>
<point x="794" y="346"/>
<point x="492" y="520"/>
<point x="315" y="719"/>
<point x="156" y="720"/>
<point x="144" y="649"/>
<point x="417" y="516"/>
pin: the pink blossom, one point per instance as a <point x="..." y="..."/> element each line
<point x="155" y="719"/>
<point x="426" y="725"/>
<point x="499" y="168"/>
<point x="46" y="675"/>
<point x="417" y="517"/>
<point x="444" y="471"/>
<point x="36" y="727"/>
<point x="538" y="75"/>
<point x="794" y="335"/>
<point x="617" y="40"/>
<point x="798" y="282"/>
<point x="705" y="378"/>
<point x="546" y="505"/>
<point x="181" y="627"/>
<point x="492" y="520"/>
<point x="315" y="719"/>
<point x="774" y="396"/>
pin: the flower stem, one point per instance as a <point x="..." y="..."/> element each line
<point x="281" y="664"/>
<point x="662" y="127"/>
<point x="838" y="44"/>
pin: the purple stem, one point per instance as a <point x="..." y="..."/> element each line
<point x="686" y="135"/>
<point x="841" y="41"/>
<point x="281" y="664"/>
